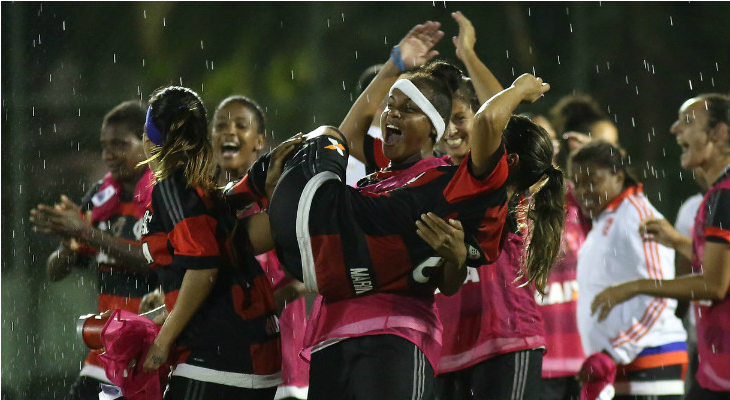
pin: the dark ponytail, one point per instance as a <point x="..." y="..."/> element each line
<point x="534" y="147"/>
<point x="179" y="115"/>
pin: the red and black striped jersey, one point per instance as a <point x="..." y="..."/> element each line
<point x="236" y="328"/>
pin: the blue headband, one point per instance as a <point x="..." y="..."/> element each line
<point x="153" y="133"/>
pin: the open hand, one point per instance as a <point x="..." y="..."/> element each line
<point x="276" y="163"/>
<point x="415" y="47"/>
<point x="609" y="298"/>
<point x="658" y="230"/>
<point x="464" y="43"/>
<point x="63" y="219"/>
<point x="446" y="238"/>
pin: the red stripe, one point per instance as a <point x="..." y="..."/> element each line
<point x="712" y="231"/>
<point x="644" y="318"/>
<point x="644" y="328"/>
<point x="647" y="251"/>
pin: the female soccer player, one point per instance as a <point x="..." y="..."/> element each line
<point x="643" y="336"/>
<point x="221" y="305"/>
<point x="703" y="131"/>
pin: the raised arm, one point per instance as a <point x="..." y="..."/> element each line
<point x="485" y="84"/>
<point x="492" y="117"/>
<point x="415" y="50"/>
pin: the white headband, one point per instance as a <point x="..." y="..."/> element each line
<point x="410" y="90"/>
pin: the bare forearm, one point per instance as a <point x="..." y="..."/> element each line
<point x="452" y="277"/>
<point x="485" y="83"/>
<point x="683" y="245"/>
<point x="360" y="117"/>
<point x="128" y="254"/>
<point x="489" y="122"/>
<point x="195" y="288"/>
<point x="688" y="287"/>
<point x="60" y="262"/>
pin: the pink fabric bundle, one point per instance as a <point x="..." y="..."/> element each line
<point x="126" y="337"/>
<point x="601" y="371"/>
<point x="105" y="203"/>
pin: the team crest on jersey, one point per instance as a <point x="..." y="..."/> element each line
<point x="336" y="146"/>
<point x="472" y="252"/>
<point x="103" y="196"/>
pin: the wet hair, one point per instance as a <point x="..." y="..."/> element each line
<point x="534" y="147"/>
<point x="467" y="94"/>
<point x="576" y="112"/>
<point x="604" y="155"/>
<point x="130" y="114"/>
<point x="438" y="80"/>
<point x="180" y="116"/>
<point x="366" y="77"/>
<point x="251" y="105"/>
<point x="718" y="108"/>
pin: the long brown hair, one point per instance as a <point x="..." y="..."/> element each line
<point x="179" y="115"/>
<point x="535" y="150"/>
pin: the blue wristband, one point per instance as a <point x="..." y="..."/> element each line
<point x="395" y="56"/>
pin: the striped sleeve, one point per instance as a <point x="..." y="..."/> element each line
<point x="374" y="156"/>
<point x="717" y="224"/>
<point x="192" y="232"/>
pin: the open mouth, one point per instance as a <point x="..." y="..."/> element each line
<point x="454" y="142"/>
<point x="392" y="134"/>
<point x="230" y="149"/>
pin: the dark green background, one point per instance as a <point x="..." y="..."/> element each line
<point x="57" y="84"/>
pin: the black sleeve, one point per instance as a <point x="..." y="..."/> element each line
<point x="717" y="223"/>
<point x="86" y="204"/>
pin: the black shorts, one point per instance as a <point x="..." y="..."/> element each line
<point x="511" y="376"/>
<point x="378" y="367"/>
<point x="563" y="388"/>
<point x="181" y="388"/>
<point x="85" y="388"/>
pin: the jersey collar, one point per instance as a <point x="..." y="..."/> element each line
<point x="613" y="205"/>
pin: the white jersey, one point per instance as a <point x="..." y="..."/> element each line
<point x="355" y="168"/>
<point x="613" y="253"/>
<point x="686" y="215"/>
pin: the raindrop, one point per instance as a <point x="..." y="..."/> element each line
<point x="717" y="67"/>
<point x="144" y="14"/>
<point x="50" y="77"/>
<point x="328" y="22"/>
<point x="637" y="90"/>
<point x="164" y="22"/>
<point x="143" y="63"/>
<point x="356" y="54"/>
<point x="567" y="12"/>
<point x="596" y="68"/>
<point x="507" y="51"/>
<point x="680" y="175"/>
<point x="713" y="81"/>
<point x="33" y="112"/>
<point x="652" y="69"/>
<point x="292" y="74"/>
<point x="385" y="39"/>
<point x="571" y="27"/>
<point x="181" y="81"/>
<point x="343" y="85"/>
<point x="54" y="128"/>
<point x="627" y="79"/>
<point x="690" y="84"/>
<point x="513" y="71"/>
<point x="64" y="25"/>
<point x="281" y="24"/>
<point x="212" y="65"/>
<point x="701" y="80"/>
<point x="44" y="164"/>
<point x="343" y="17"/>
<point x="39" y="38"/>
<point x="79" y="112"/>
<point x="201" y="44"/>
<point x="529" y="12"/>
<point x="664" y="153"/>
<point x="115" y="58"/>
<point x="633" y="124"/>
<point x="608" y="66"/>
<point x="670" y="21"/>
<point x="558" y="59"/>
